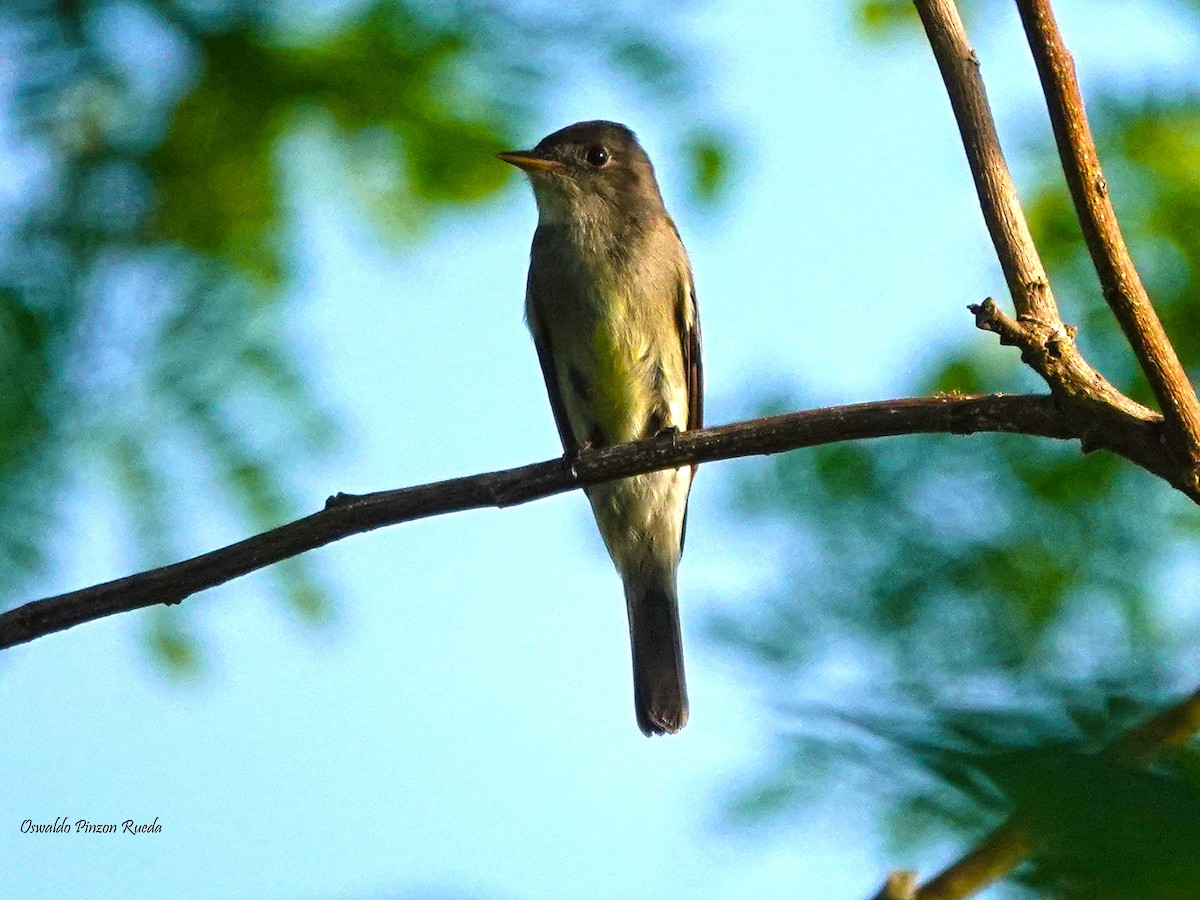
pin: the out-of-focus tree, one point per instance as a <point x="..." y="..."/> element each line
<point x="144" y="261"/>
<point x="993" y="609"/>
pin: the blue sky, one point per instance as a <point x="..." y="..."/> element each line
<point x="465" y="727"/>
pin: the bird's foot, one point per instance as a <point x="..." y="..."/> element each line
<point x="571" y="457"/>
<point x="670" y="433"/>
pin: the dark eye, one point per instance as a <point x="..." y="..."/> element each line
<point x="596" y="156"/>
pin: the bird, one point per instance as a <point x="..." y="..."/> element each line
<point x="611" y="308"/>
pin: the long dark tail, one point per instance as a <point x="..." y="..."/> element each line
<point x="659" y="692"/>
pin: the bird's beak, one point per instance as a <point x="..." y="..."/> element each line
<point x="528" y="162"/>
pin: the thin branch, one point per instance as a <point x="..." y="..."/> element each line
<point x="345" y="515"/>
<point x="1046" y="343"/>
<point x="1119" y="278"/>
<point x="899" y="886"/>
<point x="998" y="198"/>
<point x="1168" y="730"/>
<point x="1001" y="851"/>
<point x="1012" y="842"/>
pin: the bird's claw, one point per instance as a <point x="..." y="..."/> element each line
<point x="670" y="433"/>
<point x="571" y="457"/>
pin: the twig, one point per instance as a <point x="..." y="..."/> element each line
<point x="1046" y="343"/>
<point x="1002" y="211"/>
<point x="899" y="886"/>
<point x="1119" y="278"/>
<point x="1171" y="728"/>
<point x="346" y="515"/>
<point x="1001" y="851"/>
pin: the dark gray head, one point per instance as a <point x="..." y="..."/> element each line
<point x="589" y="170"/>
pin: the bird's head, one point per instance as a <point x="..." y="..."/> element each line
<point x="588" y="170"/>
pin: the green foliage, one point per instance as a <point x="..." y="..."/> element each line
<point x="886" y="20"/>
<point x="711" y="157"/>
<point x="878" y="19"/>
<point x="997" y="607"/>
<point x="25" y="379"/>
<point x="144" y="273"/>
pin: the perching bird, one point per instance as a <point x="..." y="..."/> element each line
<point x="612" y="311"/>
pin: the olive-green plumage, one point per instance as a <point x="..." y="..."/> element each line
<point x="612" y="312"/>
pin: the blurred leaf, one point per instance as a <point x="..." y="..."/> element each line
<point x="710" y="154"/>
<point x="878" y="19"/>
<point x="958" y="376"/>
<point x="652" y="62"/>
<point x="884" y="20"/>
<point x="173" y="647"/>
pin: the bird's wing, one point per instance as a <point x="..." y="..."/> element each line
<point x="687" y="321"/>
<point x="542" y="344"/>
<point x="693" y="367"/>
<point x="541" y="341"/>
<point x="687" y="316"/>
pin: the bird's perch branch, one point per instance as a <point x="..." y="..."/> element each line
<point x="347" y="515"/>
<point x="1122" y="287"/>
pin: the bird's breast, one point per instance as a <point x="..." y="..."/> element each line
<point x="608" y="310"/>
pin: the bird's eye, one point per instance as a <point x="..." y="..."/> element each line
<point x="596" y="156"/>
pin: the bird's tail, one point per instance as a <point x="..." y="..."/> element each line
<point x="659" y="693"/>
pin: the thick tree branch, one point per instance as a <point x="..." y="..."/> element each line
<point x="1012" y="842"/>
<point x="1122" y="287"/>
<point x="1046" y="343"/>
<point x="345" y="515"/>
